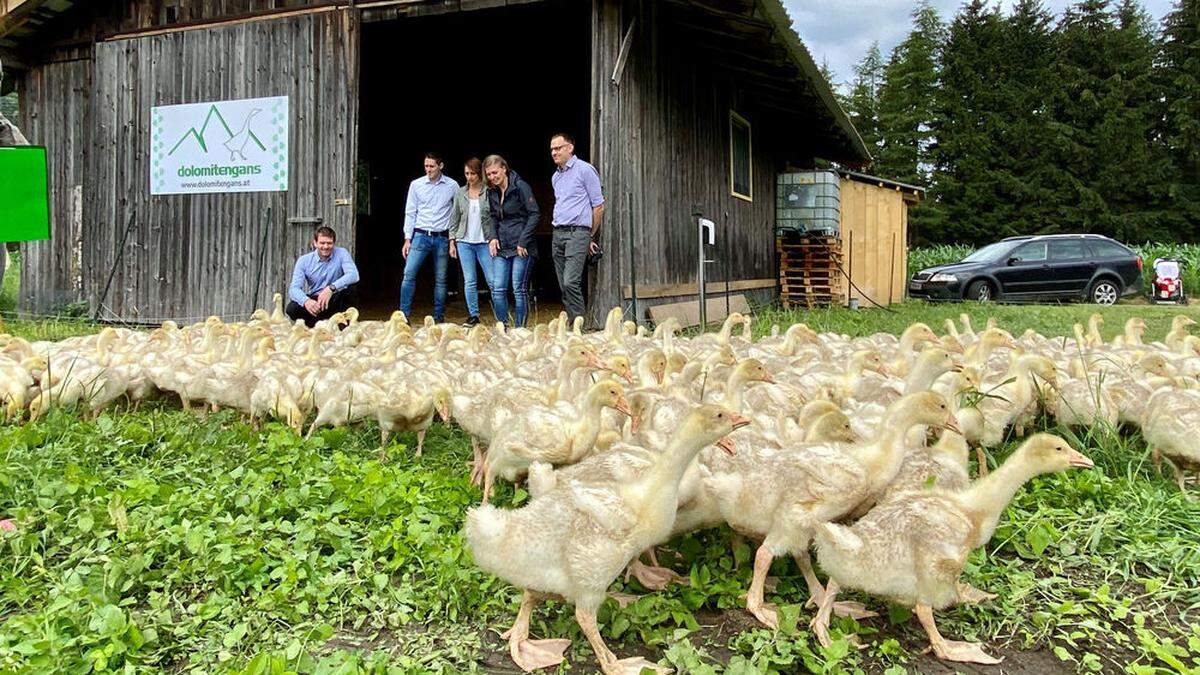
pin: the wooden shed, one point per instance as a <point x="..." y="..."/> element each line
<point x="874" y="234"/>
<point x="684" y="107"/>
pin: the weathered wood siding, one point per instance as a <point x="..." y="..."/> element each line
<point x="874" y="232"/>
<point x="661" y="144"/>
<point x="188" y="256"/>
<point x="55" y="101"/>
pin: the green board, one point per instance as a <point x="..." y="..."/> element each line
<point x="24" y="200"/>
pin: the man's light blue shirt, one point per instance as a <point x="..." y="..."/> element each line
<point x="312" y="274"/>
<point x="576" y="193"/>
<point x="430" y="205"/>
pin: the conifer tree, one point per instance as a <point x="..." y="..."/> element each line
<point x="906" y="100"/>
<point x="862" y="102"/>
<point x="966" y="126"/>
<point x="1105" y="111"/>
<point x="1179" y="78"/>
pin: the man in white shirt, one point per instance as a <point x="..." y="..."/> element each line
<point x="428" y="214"/>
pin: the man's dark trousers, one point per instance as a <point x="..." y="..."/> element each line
<point x="570" y="252"/>
<point x="340" y="301"/>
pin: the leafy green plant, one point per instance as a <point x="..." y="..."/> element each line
<point x="161" y="540"/>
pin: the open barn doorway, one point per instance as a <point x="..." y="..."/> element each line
<point x="465" y="84"/>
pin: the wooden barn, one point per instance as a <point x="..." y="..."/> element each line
<point x="685" y="108"/>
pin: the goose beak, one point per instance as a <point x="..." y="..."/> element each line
<point x="951" y="424"/>
<point x="595" y="362"/>
<point x="769" y="378"/>
<point x="956" y="368"/>
<point x="622" y="405"/>
<point x="739" y="420"/>
<point x="726" y="444"/>
<point x="1079" y="460"/>
<point x="635" y="423"/>
<point x="444" y="413"/>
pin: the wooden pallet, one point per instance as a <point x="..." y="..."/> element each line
<point x="810" y="273"/>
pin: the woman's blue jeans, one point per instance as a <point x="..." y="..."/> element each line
<point x="511" y="272"/>
<point x="474" y="257"/>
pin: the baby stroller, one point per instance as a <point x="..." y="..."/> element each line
<point x="1166" y="288"/>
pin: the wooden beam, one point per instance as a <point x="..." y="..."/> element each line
<point x="249" y="17"/>
<point x="376" y="11"/>
<point x="712" y="288"/>
<point x="688" y="312"/>
<point x="623" y="55"/>
<point x="723" y="15"/>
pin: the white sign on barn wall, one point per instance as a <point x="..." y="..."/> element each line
<point x="220" y="146"/>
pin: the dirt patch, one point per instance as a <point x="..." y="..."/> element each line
<point x="718" y="627"/>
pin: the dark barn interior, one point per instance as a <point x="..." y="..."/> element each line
<point x="464" y="84"/>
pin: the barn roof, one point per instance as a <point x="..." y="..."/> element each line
<point x="753" y="38"/>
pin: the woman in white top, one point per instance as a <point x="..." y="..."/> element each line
<point x="470" y="236"/>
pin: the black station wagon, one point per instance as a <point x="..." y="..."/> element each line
<point x="1049" y="267"/>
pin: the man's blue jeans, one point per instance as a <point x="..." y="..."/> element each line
<point x="511" y="272"/>
<point x="474" y="257"/>
<point x="424" y="246"/>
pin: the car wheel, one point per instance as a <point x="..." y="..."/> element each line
<point x="980" y="291"/>
<point x="1104" y="292"/>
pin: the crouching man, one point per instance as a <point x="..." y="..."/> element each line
<point x="322" y="281"/>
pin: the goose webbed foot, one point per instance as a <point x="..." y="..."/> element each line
<point x="633" y="666"/>
<point x="852" y="610"/>
<point x="951" y="650"/>
<point x="767" y="613"/>
<point x="654" y="578"/>
<point x="968" y="594"/>
<point x="528" y="654"/>
<point x="964" y="652"/>
<point x="609" y="663"/>
<point x="763" y="611"/>
<point x="623" y="600"/>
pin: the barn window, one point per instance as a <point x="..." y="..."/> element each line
<point x="171" y="12"/>
<point x="740" y="172"/>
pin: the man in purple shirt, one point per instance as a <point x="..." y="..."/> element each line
<point x="578" y="205"/>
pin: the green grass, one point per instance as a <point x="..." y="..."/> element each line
<point x="1045" y="319"/>
<point x="10" y="283"/>
<point x="160" y="540"/>
<point x="43" y="329"/>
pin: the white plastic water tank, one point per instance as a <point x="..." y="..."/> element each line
<point x="809" y="201"/>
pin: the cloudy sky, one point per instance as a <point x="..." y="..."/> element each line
<point x="840" y="32"/>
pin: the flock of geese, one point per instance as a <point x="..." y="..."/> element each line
<point x="855" y="447"/>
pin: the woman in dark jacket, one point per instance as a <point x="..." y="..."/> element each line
<point x="515" y="214"/>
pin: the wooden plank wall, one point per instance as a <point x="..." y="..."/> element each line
<point x="661" y="144"/>
<point x="188" y="256"/>
<point x="874" y="242"/>
<point x="86" y="21"/>
<point x="55" y="102"/>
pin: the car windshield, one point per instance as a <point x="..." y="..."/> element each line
<point x="990" y="252"/>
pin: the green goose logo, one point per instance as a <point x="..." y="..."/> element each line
<point x="236" y="142"/>
<point x="219" y="146"/>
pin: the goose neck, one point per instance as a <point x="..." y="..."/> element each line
<point x="987" y="497"/>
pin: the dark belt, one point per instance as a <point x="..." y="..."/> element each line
<point x="573" y="227"/>
<point x="431" y="233"/>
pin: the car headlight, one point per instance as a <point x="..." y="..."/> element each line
<point x="943" y="277"/>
